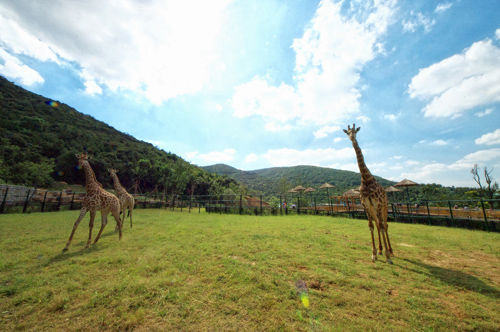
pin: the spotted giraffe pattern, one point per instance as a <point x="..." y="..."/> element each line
<point x="374" y="200"/>
<point x="96" y="198"/>
<point x="126" y="200"/>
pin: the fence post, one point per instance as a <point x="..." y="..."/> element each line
<point x="4" y="198"/>
<point x="72" y="200"/>
<point x="428" y="212"/>
<point x="59" y="201"/>
<point x="315" y="207"/>
<point x="451" y="212"/>
<point x="190" y="202"/>
<point x="43" y="203"/>
<point x="484" y="214"/>
<point x="261" y="213"/>
<point x="26" y="201"/>
<point x="298" y="205"/>
<point x="394" y="212"/>
<point x="241" y="204"/>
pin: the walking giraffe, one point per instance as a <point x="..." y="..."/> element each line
<point x="373" y="199"/>
<point x="96" y="198"/>
<point x="126" y="200"/>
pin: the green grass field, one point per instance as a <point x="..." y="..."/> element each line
<point x="181" y="271"/>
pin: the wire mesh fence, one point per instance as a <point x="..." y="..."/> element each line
<point x="472" y="214"/>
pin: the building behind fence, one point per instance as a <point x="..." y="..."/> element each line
<point x="464" y="213"/>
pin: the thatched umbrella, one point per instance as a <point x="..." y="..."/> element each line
<point x="327" y="185"/>
<point x="310" y="190"/>
<point x="351" y="193"/>
<point x="391" y="189"/>
<point x="299" y="189"/>
<point x="406" y="183"/>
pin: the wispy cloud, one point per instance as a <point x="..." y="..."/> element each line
<point x="442" y="7"/>
<point x="489" y="139"/>
<point x="460" y="82"/>
<point x="484" y="113"/>
<point x="416" y="21"/>
<point x="213" y="157"/>
<point x="313" y="157"/>
<point x="325" y="131"/>
<point x="329" y="58"/>
<point x="13" y="68"/>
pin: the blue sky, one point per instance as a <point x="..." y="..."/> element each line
<point x="258" y="84"/>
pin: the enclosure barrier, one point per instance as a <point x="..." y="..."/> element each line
<point x="472" y="214"/>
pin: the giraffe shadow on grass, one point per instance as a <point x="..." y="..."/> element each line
<point x="455" y="278"/>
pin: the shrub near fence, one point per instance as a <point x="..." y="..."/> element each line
<point x="470" y="214"/>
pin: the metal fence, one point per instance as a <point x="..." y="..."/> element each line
<point x="472" y="214"/>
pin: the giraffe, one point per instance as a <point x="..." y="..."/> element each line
<point x="373" y="199"/>
<point x="126" y="200"/>
<point x="96" y="198"/>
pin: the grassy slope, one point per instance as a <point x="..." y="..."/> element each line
<point x="180" y="271"/>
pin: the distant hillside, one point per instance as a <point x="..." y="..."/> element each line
<point x="274" y="180"/>
<point x="38" y="143"/>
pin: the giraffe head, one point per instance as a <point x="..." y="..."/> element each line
<point x="112" y="171"/>
<point x="351" y="132"/>
<point x="82" y="157"/>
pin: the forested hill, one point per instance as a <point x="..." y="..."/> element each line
<point x="39" y="140"/>
<point x="278" y="179"/>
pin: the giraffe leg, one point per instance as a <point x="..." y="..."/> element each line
<point x="119" y="223"/>
<point x="388" y="241"/>
<point x="387" y="253"/>
<point x="91" y="225"/>
<point x="379" y="241"/>
<point x="374" y="251"/>
<point x="83" y="212"/>
<point x="104" y="218"/>
<point x="130" y="213"/>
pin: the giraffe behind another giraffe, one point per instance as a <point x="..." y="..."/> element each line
<point x="126" y="200"/>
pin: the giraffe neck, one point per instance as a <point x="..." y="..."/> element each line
<point x="116" y="183"/>
<point x="366" y="176"/>
<point x="90" y="178"/>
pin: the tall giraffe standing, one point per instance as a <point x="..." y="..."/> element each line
<point x="373" y="199"/>
<point x="96" y="198"/>
<point x="126" y="200"/>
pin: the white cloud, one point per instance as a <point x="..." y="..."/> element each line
<point x="489" y="139"/>
<point x="91" y="88"/>
<point x="338" y="139"/>
<point x="215" y="157"/>
<point x="391" y="117"/>
<point x="324" y="131"/>
<point x="19" y="41"/>
<point x="484" y="113"/>
<point x="313" y="157"/>
<point x="161" y="49"/>
<point x="13" y="68"/>
<point x="478" y="157"/>
<point x="460" y="82"/>
<point x="418" y="20"/>
<point x="442" y="7"/>
<point x="497" y="34"/>
<point x="329" y="58"/>
<point x="251" y="158"/>
<point x="438" y="142"/>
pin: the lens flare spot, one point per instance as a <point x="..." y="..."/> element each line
<point x="52" y="103"/>
<point x="304" y="298"/>
<point x="78" y="167"/>
<point x="60" y="173"/>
